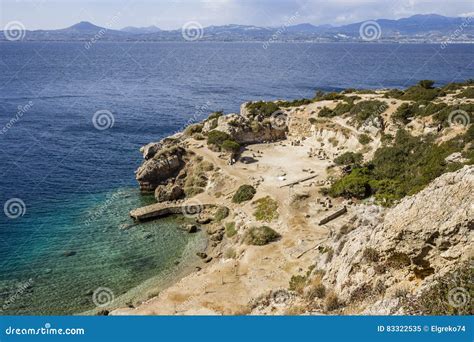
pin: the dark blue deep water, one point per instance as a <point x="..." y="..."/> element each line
<point x="77" y="182"/>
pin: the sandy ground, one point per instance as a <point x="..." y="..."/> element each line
<point x="226" y="286"/>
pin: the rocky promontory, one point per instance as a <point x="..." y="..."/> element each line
<point x="357" y="202"/>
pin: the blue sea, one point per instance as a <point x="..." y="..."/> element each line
<point x="67" y="173"/>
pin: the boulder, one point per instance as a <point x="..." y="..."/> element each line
<point x="169" y="192"/>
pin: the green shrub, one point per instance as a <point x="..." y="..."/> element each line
<point x="419" y="93"/>
<point x="215" y="115"/>
<point x="217" y="138"/>
<point x="297" y="283"/>
<point x="316" y="291"/>
<point x="294" y="103"/>
<point x="467" y="93"/>
<point x="403" y="168"/>
<point x="230" y="253"/>
<point x="193" y="129"/>
<point x="244" y="193"/>
<point x="266" y="209"/>
<point x="221" y="213"/>
<point x="421" y="108"/>
<point x="394" y="93"/>
<point x="259" y="236"/>
<point x="331" y="96"/>
<point x="426" y="84"/>
<point x="262" y="108"/>
<point x="349" y="158"/>
<point x="364" y="110"/>
<point x="222" y="140"/>
<point x="325" y="112"/>
<point x="231" y="146"/>
<point x="355" y="184"/>
<point x="364" y="139"/>
<point x="230" y="230"/>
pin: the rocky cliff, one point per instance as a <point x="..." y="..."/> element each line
<point x="394" y="253"/>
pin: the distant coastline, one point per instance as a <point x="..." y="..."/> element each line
<point x="430" y="28"/>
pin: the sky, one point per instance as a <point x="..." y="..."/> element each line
<point x="173" y="14"/>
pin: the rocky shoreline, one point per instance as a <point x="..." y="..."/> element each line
<point x="299" y="218"/>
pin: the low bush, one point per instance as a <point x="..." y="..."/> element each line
<point x="215" y="115"/>
<point x="294" y="103"/>
<point x="244" y="193"/>
<point x="365" y="139"/>
<point x="221" y="213"/>
<point x="467" y="93"/>
<point x="349" y="158"/>
<point x="222" y="140"/>
<point x="259" y="236"/>
<point x="369" y="109"/>
<point x="402" y="168"/>
<point x="332" y="302"/>
<point x="316" y="291"/>
<point x="298" y="283"/>
<point x="263" y="108"/>
<point x="230" y="230"/>
<point x="266" y="209"/>
<point x="193" y="129"/>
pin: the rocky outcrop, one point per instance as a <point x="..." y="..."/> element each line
<point x="168" y="192"/>
<point x="162" y="161"/>
<point x="247" y="130"/>
<point x="406" y="247"/>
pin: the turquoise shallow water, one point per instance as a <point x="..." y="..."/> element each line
<point x="89" y="245"/>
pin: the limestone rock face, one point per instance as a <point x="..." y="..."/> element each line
<point x="162" y="161"/>
<point x="425" y="236"/>
<point x="149" y="150"/>
<point x="169" y="192"/>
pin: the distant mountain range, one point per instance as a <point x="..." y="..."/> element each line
<point x="417" y="28"/>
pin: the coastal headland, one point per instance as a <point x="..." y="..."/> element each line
<point x="358" y="202"/>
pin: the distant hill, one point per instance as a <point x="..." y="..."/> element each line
<point x="148" y="29"/>
<point x="421" y="28"/>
